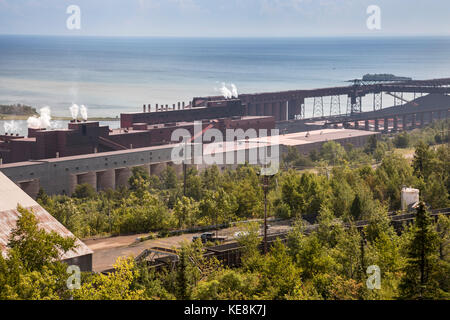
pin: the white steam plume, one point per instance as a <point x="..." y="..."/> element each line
<point x="11" y="127"/>
<point x="74" y="111"/>
<point x="83" y="112"/>
<point x="227" y="94"/>
<point x="234" y="91"/>
<point x="43" y="122"/>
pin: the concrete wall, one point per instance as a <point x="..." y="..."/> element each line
<point x="84" y="262"/>
<point x="106" y="180"/>
<point x="61" y="175"/>
<point x="111" y="170"/>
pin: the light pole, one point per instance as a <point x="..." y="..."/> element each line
<point x="184" y="165"/>
<point x="265" y="187"/>
<point x="265" y="177"/>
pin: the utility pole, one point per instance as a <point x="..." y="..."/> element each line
<point x="184" y="166"/>
<point x="266" y="187"/>
<point x="266" y="177"/>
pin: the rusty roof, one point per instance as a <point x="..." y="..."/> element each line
<point x="10" y="196"/>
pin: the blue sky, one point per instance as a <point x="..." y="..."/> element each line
<point x="225" y="18"/>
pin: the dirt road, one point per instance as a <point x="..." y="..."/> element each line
<point x="107" y="250"/>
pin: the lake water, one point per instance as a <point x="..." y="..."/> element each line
<point x="113" y="75"/>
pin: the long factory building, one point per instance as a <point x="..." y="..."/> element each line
<point x="110" y="170"/>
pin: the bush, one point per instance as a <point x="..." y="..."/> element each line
<point x="283" y="211"/>
<point x="83" y="191"/>
<point x="402" y="140"/>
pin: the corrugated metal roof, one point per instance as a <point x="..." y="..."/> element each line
<point x="10" y="196"/>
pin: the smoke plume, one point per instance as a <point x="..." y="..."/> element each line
<point x="74" y="111"/>
<point x="83" y="112"/>
<point x="43" y="122"/>
<point x="234" y="91"/>
<point x="227" y="94"/>
<point x="11" y="127"/>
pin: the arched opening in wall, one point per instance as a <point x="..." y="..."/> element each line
<point x="30" y="187"/>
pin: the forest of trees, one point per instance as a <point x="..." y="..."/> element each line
<point x="18" y="109"/>
<point x="353" y="183"/>
<point x="336" y="186"/>
<point x="329" y="264"/>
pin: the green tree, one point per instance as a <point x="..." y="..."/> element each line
<point x="333" y="153"/>
<point x="250" y="241"/>
<point x="422" y="162"/>
<point x="139" y="179"/>
<point x="372" y="144"/>
<point x="84" y="191"/>
<point x="402" y="140"/>
<point x="169" y="178"/>
<point x="186" y="211"/>
<point x="32" y="267"/>
<point x="422" y="251"/>
<point x="42" y="197"/>
<point x="118" y="285"/>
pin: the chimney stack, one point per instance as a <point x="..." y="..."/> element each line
<point x="156" y="108"/>
<point x="149" y="107"/>
<point x="144" y="108"/>
<point x="183" y="104"/>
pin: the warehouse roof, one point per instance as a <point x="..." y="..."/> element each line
<point x="10" y="197"/>
<point x="300" y="138"/>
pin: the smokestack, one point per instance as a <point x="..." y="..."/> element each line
<point x="156" y="108"/>
<point x="178" y="105"/>
<point x="174" y="106"/>
<point x="143" y="108"/>
<point x="167" y="107"/>
<point x="149" y="107"/>
<point x="183" y="104"/>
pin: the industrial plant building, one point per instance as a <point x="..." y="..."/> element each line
<point x="138" y="130"/>
<point x="110" y="170"/>
<point x="60" y="159"/>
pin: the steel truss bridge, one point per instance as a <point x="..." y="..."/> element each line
<point x="290" y="105"/>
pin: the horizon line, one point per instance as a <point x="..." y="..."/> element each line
<point x="235" y="37"/>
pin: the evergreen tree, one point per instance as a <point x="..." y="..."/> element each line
<point x="422" y="251"/>
<point x="357" y="208"/>
<point x="422" y="161"/>
<point x="183" y="280"/>
<point x="42" y="197"/>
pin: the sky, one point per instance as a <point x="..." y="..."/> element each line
<point x="226" y="18"/>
